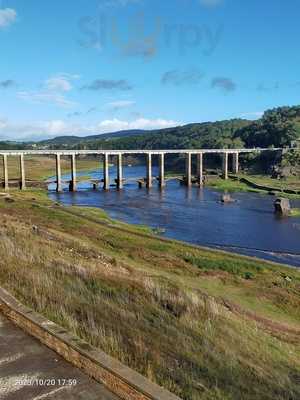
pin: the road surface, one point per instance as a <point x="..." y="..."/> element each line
<point x="31" y="371"/>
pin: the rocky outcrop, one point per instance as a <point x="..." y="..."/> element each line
<point x="226" y="198"/>
<point x="282" y="206"/>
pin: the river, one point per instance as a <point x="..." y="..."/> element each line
<point x="247" y="226"/>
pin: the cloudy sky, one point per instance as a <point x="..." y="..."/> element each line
<point x="88" y="67"/>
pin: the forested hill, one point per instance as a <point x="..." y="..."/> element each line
<point x="72" y="140"/>
<point x="209" y="134"/>
<point x="277" y="127"/>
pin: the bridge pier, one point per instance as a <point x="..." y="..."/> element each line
<point x="73" y="183"/>
<point x="200" y="169"/>
<point x="188" y="169"/>
<point x="235" y="163"/>
<point x="230" y="163"/>
<point x="120" y="172"/>
<point x="149" y="171"/>
<point x="106" y="184"/>
<point x="22" y="172"/>
<point x="162" y="182"/>
<point x="5" y="172"/>
<point x="58" y="174"/>
<point x="225" y="166"/>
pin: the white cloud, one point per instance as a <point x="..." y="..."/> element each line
<point x="115" y="124"/>
<point x="58" y="83"/>
<point x="45" y="129"/>
<point x="3" y="123"/>
<point x="61" y="82"/>
<point x="46" y="98"/>
<point x="120" y="105"/>
<point x="253" y="114"/>
<point x="7" y="17"/>
<point x="52" y="92"/>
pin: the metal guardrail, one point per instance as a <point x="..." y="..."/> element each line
<point x="117" y="152"/>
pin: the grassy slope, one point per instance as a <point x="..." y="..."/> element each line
<point x="292" y="182"/>
<point x="204" y="324"/>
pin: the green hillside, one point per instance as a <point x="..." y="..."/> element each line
<point x="277" y="127"/>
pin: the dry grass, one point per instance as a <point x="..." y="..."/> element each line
<point x="40" y="168"/>
<point x="185" y="318"/>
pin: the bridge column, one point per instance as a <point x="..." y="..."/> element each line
<point x="188" y="169"/>
<point x="58" y="174"/>
<point x="162" y="182"/>
<point x="22" y="172"/>
<point x="149" y="171"/>
<point x="106" y="172"/>
<point x="200" y="169"/>
<point x="235" y="162"/>
<point x="225" y="166"/>
<point x="120" y="172"/>
<point x="5" y="172"/>
<point x="73" y="185"/>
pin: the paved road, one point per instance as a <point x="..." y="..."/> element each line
<point x="23" y="360"/>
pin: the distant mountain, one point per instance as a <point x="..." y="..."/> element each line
<point x="64" y="140"/>
<point x="208" y="134"/>
<point x="11" y="145"/>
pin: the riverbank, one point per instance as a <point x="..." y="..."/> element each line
<point x="257" y="184"/>
<point x="184" y="314"/>
<point x="295" y="212"/>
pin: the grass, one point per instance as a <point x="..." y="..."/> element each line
<point x="292" y="182"/>
<point x="204" y="324"/>
<point x="231" y="185"/>
<point x="295" y="212"/>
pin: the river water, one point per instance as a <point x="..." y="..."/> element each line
<point x="247" y="226"/>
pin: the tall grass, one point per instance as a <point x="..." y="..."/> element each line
<point x="145" y="303"/>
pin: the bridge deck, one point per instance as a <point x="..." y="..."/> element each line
<point x="116" y="152"/>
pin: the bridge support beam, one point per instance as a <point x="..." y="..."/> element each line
<point x="106" y="184"/>
<point x="22" y="172"/>
<point x="225" y="166"/>
<point x="200" y="169"/>
<point x="58" y="174"/>
<point x="5" y="172"/>
<point x="235" y="163"/>
<point x="73" y="184"/>
<point x="162" y="182"/>
<point x="149" y="171"/>
<point x="188" y="169"/>
<point x="120" y="172"/>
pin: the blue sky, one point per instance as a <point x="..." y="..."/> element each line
<point x="89" y="67"/>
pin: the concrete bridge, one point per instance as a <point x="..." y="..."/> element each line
<point x="149" y="154"/>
